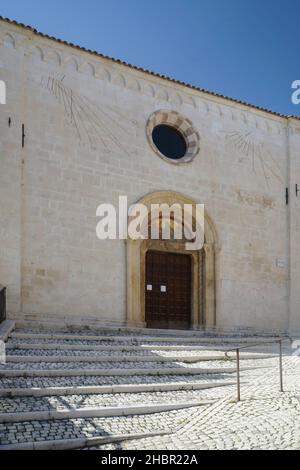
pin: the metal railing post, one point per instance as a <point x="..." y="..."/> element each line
<point x="237" y="350"/>
<point x="238" y="374"/>
<point x="280" y="365"/>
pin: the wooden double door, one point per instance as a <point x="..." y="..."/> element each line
<point x="168" y="290"/>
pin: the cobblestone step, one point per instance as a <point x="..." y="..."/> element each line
<point x="141" y="348"/>
<point x="115" y="343"/>
<point x="138" y="348"/>
<point x="25" y="327"/>
<point x="86" y="428"/>
<point x="94" y="358"/>
<point x="120" y="400"/>
<point x="140" y="338"/>
<point x="97" y="412"/>
<point x="127" y="358"/>
<point x="80" y="443"/>
<point x="121" y="371"/>
<point x="114" y="389"/>
<point x="91" y="365"/>
<point x="27" y="344"/>
<point x="76" y="389"/>
<point x="96" y="381"/>
<point x="61" y="402"/>
<point x="107" y="353"/>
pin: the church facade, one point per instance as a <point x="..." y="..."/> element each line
<point x="78" y="130"/>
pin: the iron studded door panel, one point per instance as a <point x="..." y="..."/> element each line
<point x="168" y="290"/>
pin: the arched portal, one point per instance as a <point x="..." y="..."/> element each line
<point x="142" y="277"/>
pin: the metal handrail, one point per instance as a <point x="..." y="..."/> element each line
<point x="237" y="351"/>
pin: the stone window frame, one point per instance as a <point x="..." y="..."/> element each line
<point x="182" y="125"/>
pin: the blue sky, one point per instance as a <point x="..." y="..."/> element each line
<point x="245" y="49"/>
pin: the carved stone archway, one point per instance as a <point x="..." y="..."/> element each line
<point x="203" y="268"/>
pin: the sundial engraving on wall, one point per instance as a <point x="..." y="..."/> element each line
<point x="93" y="124"/>
<point x="252" y="150"/>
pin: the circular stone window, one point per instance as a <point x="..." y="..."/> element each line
<point x="172" y="137"/>
<point x="169" y="141"/>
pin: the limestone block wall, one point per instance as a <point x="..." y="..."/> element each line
<point x="11" y="63"/>
<point x="85" y="122"/>
<point x="294" y="221"/>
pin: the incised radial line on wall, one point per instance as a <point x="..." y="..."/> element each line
<point x="91" y="122"/>
<point x="261" y="159"/>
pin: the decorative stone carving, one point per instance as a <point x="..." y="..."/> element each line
<point x="9" y="41"/>
<point x="203" y="288"/>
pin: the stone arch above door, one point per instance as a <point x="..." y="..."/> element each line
<point x="203" y="272"/>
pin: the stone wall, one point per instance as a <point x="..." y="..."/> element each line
<point x="293" y="148"/>
<point x="85" y="123"/>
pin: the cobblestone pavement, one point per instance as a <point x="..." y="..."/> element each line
<point x="264" y="419"/>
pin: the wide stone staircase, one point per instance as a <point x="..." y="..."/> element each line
<point x="81" y="389"/>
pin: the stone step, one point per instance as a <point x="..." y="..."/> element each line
<point x="27" y="404"/>
<point x="29" y="327"/>
<point x="108" y="381"/>
<point x="99" y="412"/>
<point x="140" y="338"/>
<point x="29" y="431"/>
<point x="91" y="365"/>
<point x="79" y="443"/>
<point x="106" y="389"/>
<point x="96" y="347"/>
<point x="127" y="358"/>
<point x="121" y="358"/>
<point x="57" y="392"/>
<point x="120" y="371"/>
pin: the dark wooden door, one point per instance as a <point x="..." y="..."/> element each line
<point x="168" y="290"/>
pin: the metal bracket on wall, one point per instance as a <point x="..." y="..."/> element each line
<point x="23" y="136"/>
<point x="287" y="196"/>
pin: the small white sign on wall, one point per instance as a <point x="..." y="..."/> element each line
<point x="2" y="92"/>
<point x="149" y="286"/>
<point x="163" y="288"/>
